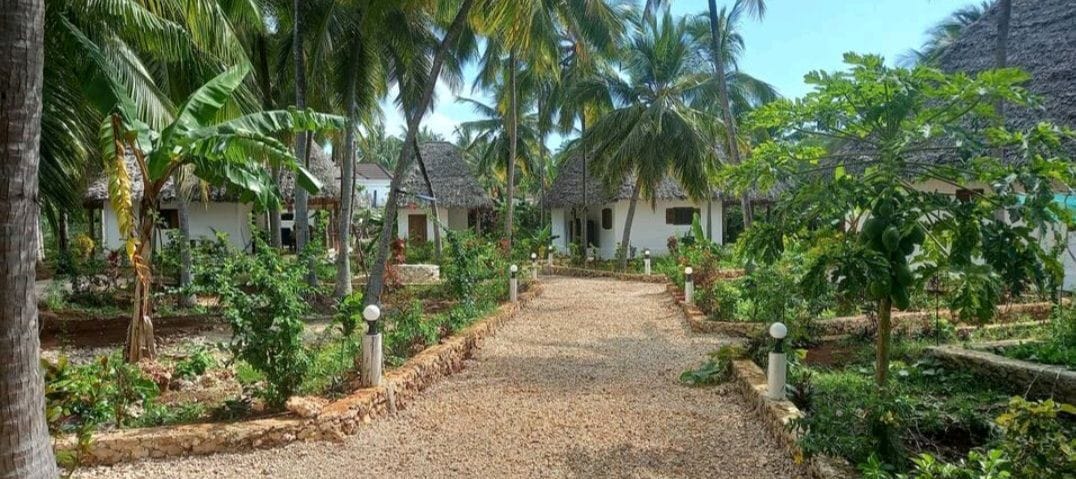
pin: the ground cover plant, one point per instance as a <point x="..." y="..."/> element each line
<point x="1055" y="345"/>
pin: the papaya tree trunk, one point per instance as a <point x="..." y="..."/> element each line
<point x="885" y="326"/>
<point x="625" y="243"/>
<point x="25" y="447"/>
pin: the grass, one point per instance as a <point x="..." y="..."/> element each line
<point x="1045" y="352"/>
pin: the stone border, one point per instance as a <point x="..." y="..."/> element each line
<point x="314" y="419"/>
<point x="750" y="380"/>
<point x="1040" y="380"/>
<point x="597" y="273"/>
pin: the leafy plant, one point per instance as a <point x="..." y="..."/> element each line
<point x="194" y="365"/>
<point x="715" y="370"/>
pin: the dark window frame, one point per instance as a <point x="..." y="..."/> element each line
<point x="607" y="218"/>
<point x="680" y="215"/>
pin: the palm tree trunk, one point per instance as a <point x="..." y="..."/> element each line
<point x="726" y="108"/>
<point x="437" y="245"/>
<point x="275" y="239"/>
<point x="25" y="448"/>
<point x="1001" y="56"/>
<point x="376" y="280"/>
<point x="62" y="234"/>
<point x="185" y="300"/>
<point x="583" y="223"/>
<point x="710" y="216"/>
<point x="302" y="214"/>
<point x="512" y="133"/>
<point x="347" y="183"/>
<point x="625" y="242"/>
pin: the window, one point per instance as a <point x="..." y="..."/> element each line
<point x="607" y="219"/>
<point x="680" y="216"/>
<point x="966" y="195"/>
<point x="168" y="218"/>
<point x="287" y="217"/>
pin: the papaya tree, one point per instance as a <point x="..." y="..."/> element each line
<point x="238" y="154"/>
<point x="890" y="175"/>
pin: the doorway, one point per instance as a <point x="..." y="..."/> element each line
<point x="416" y="228"/>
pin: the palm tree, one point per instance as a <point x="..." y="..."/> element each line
<point x="25" y="446"/>
<point x="722" y="26"/>
<point x="654" y="131"/>
<point x="414" y="115"/>
<point x="489" y="142"/>
<point x="529" y="32"/>
<point x="942" y="35"/>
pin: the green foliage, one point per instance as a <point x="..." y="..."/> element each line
<point x="724" y="295"/>
<point x="419" y="252"/>
<point x="261" y="296"/>
<point x="715" y="370"/>
<point x="330" y="366"/>
<point x="81" y="398"/>
<point x="1058" y="345"/>
<point x="199" y="361"/>
<point x="349" y="312"/>
<point x="407" y="332"/>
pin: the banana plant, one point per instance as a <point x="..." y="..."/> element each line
<point x="237" y="153"/>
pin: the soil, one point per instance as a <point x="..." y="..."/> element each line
<point x="830" y="354"/>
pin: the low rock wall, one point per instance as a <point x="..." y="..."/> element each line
<point x="311" y="421"/>
<point x="1039" y="380"/>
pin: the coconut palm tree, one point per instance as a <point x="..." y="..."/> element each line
<point x="529" y="32"/>
<point x="722" y="28"/>
<point x="654" y="131"/>
<point x="25" y="446"/>
<point x="489" y="142"/>
<point x="943" y="34"/>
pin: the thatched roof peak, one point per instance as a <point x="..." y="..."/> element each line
<point x="454" y="184"/>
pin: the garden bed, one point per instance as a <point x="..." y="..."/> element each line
<point x="1038" y="380"/>
<point x="308" y="418"/>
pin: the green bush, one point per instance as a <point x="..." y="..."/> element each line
<point x="194" y="365"/>
<point x="261" y="296"/>
<point x="80" y="398"/>
<point x="1057" y="347"/>
<point x="722" y="300"/>
<point x="407" y="332"/>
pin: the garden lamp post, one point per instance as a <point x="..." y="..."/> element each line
<point x="513" y="283"/>
<point x="689" y="286"/>
<point x="371" y="347"/>
<point x="646" y="261"/>
<point x="534" y="266"/>
<point x="777" y="369"/>
<point x="549" y="255"/>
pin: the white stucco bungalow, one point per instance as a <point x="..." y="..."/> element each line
<point x="571" y="199"/>
<point x="459" y="197"/>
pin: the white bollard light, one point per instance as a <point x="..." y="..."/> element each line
<point x="646" y="261"/>
<point x="777" y="369"/>
<point x="549" y="255"/>
<point x="534" y="266"/>
<point x="689" y="286"/>
<point x="371" y="347"/>
<point x="513" y="283"/>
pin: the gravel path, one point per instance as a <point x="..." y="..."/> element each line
<point x="582" y="384"/>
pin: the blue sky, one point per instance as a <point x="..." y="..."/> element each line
<point x="795" y="37"/>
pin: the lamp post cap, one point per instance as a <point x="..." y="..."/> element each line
<point x="688" y="270"/>
<point x="646" y="251"/>
<point x="371" y="312"/>
<point x="778" y="330"/>
<point x="513" y="268"/>
<point x="534" y="255"/>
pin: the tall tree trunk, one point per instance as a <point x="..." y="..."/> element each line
<point x="62" y="233"/>
<point x="512" y="138"/>
<point x="583" y="223"/>
<point x="266" y="86"/>
<point x="437" y="245"/>
<point x="347" y="183"/>
<point x="710" y="216"/>
<point x="726" y="107"/>
<point x="881" y="358"/>
<point x="1001" y="56"/>
<point x="376" y="280"/>
<point x="301" y="228"/>
<point x="25" y="448"/>
<point x="185" y="300"/>
<point x="625" y="243"/>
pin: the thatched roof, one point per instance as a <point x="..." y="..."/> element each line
<point x="454" y="185"/>
<point x="1042" y="42"/>
<point x="321" y="166"/>
<point x="567" y="189"/>
<point x="372" y="171"/>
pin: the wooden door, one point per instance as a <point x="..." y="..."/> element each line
<point x="416" y="228"/>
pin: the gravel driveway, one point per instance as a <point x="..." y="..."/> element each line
<point x="582" y="384"/>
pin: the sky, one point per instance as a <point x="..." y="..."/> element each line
<point x="794" y="38"/>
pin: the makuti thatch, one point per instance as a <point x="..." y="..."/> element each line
<point x="1042" y="42"/>
<point x="321" y="166"/>
<point x="567" y="189"/>
<point x="454" y="185"/>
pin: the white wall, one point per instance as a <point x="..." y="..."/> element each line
<point x="230" y="218"/>
<point x="375" y="192"/>
<point x="451" y="218"/>
<point x="648" y="228"/>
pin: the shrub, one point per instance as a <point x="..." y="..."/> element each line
<point x="194" y="365"/>
<point x="80" y="398"/>
<point x="715" y="370"/>
<point x="407" y="333"/>
<point x="722" y="300"/>
<point x="261" y="296"/>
